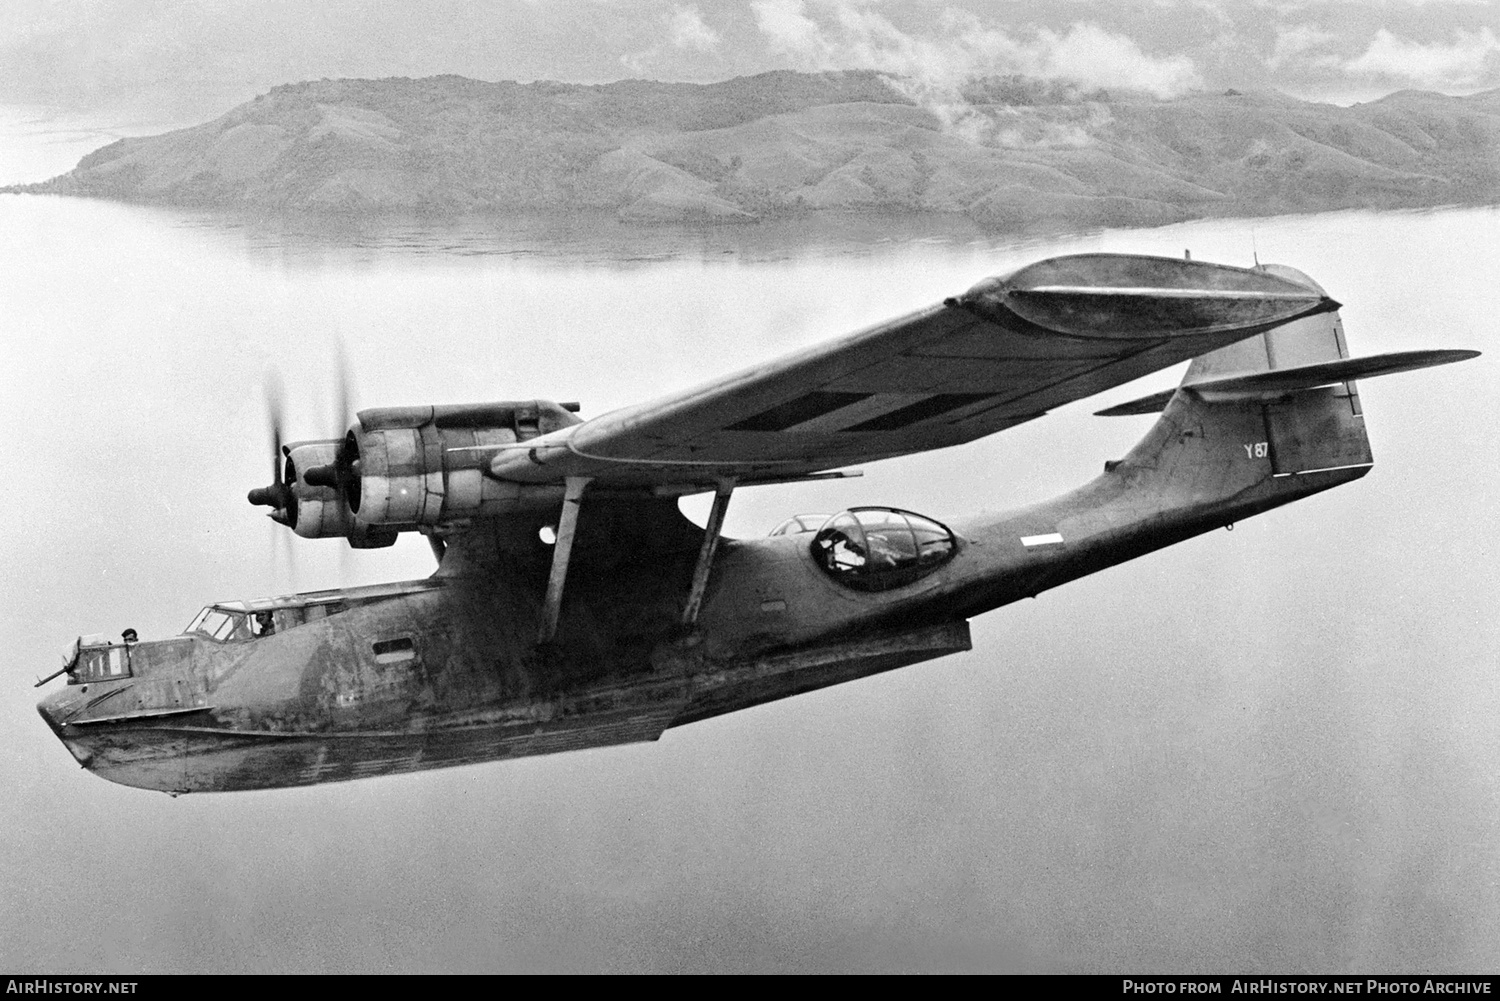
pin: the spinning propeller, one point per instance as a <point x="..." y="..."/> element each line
<point x="278" y="496"/>
<point x="342" y="474"/>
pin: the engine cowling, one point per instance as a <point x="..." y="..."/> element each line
<point x="316" y="512"/>
<point x="411" y="467"/>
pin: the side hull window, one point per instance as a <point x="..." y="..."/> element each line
<point x="396" y="651"/>
<point x="103" y="663"/>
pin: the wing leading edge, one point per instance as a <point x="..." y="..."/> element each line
<point x="1006" y="351"/>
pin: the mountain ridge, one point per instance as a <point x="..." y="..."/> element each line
<point x="1009" y="153"/>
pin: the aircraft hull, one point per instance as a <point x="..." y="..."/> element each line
<point x="321" y="702"/>
<point x="194" y="752"/>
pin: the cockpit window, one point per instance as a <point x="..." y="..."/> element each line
<point x="222" y="624"/>
<point x="881" y="548"/>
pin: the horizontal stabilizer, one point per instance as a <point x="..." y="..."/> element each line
<point x="1153" y="404"/>
<point x="1280" y="381"/>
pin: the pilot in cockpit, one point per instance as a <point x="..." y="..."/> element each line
<point x="265" y="624"/>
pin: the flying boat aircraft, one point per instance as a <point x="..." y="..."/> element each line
<point x="574" y="606"/>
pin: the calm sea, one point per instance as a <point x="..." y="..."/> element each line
<point x="1274" y="749"/>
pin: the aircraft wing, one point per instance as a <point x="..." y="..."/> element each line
<point x="1006" y="351"/>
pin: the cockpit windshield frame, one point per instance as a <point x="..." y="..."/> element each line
<point x="256" y="618"/>
<point x="229" y="622"/>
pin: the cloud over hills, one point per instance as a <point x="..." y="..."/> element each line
<point x="1470" y="57"/>
<point x="849" y="35"/>
<point x="135" y="53"/>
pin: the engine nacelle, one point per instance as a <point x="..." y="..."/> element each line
<point x="427" y="466"/>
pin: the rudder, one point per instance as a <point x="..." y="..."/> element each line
<point x="1309" y="430"/>
<point x="1300" y="378"/>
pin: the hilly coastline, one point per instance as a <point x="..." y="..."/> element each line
<point x="1009" y="154"/>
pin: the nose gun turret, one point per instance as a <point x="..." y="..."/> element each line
<point x="70" y="661"/>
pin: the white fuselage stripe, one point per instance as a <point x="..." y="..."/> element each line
<point x="1051" y="539"/>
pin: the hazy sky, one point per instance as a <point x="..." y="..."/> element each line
<point x="198" y="59"/>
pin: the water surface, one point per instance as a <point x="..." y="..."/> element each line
<point x="1270" y="750"/>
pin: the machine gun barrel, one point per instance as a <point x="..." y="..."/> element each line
<point x="61" y="670"/>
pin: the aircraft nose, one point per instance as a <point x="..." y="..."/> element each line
<point x="56" y="708"/>
<point x="48" y="710"/>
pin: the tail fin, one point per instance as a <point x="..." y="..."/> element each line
<point x="1260" y="423"/>
<point x="1301" y="376"/>
<point x="1311" y="429"/>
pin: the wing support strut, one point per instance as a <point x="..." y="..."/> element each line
<point x="706" y="553"/>
<point x="562" y="550"/>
